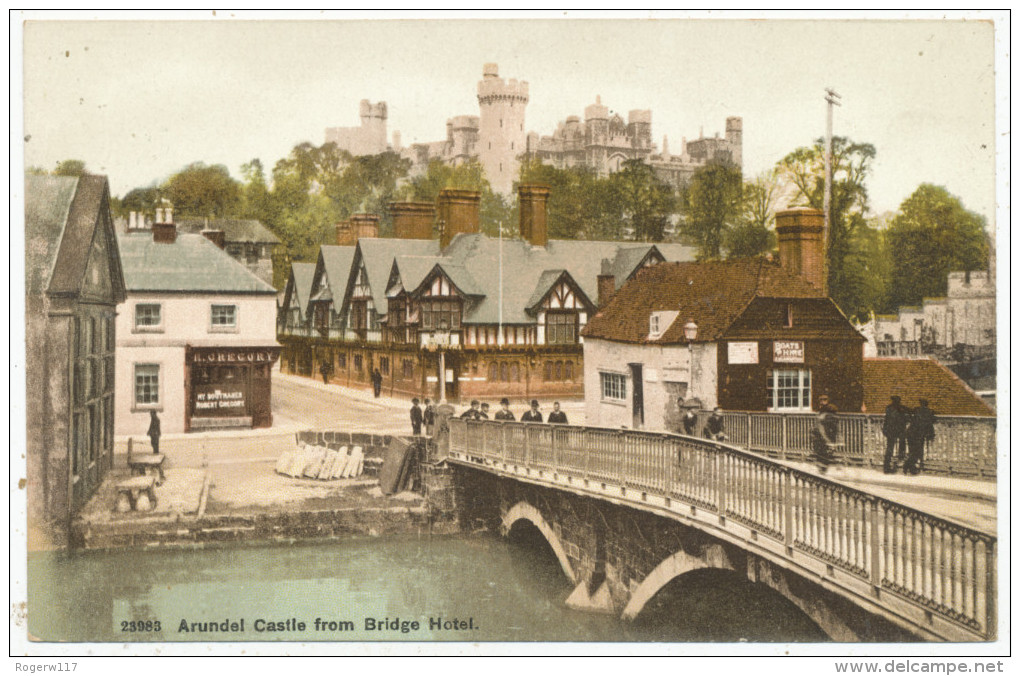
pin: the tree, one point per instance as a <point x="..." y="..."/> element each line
<point x="754" y="234"/>
<point x="70" y="168"/>
<point x="493" y="208"/>
<point x="580" y="203"/>
<point x="713" y="202"/>
<point x="804" y="171"/>
<point x="644" y="202"/>
<point x="200" y="190"/>
<point x="932" y="235"/>
<point x="143" y="200"/>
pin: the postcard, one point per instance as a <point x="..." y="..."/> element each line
<point x="451" y="334"/>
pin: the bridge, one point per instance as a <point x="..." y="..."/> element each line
<point x="625" y="512"/>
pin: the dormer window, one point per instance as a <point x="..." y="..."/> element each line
<point x="659" y="322"/>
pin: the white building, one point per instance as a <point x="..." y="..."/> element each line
<point x="196" y="338"/>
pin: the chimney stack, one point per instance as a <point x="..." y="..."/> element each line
<point x="606" y="284"/>
<point x="458" y="213"/>
<point x="412" y="220"/>
<point x="164" y="230"/>
<point x="217" y="237"/>
<point x="357" y="226"/>
<point x="532" y="198"/>
<point x="802" y="245"/>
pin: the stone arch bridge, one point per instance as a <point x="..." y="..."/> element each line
<point x="626" y="512"/>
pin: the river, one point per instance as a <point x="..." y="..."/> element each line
<point x="478" y="587"/>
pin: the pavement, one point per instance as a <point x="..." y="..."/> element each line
<point x="247" y="457"/>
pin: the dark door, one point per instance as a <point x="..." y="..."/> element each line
<point x="638" y="399"/>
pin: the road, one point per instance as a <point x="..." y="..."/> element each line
<point x="312" y="405"/>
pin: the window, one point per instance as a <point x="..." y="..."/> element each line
<point x="561" y="328"/>
<point x="614" y="386"/>
<point x="146" y="384"/>
<point x="653" y="325"/>
<point x="384" y="365"/>
<point x="224" y="316"/>
<point x="408" y="368"/>
<point x="568" y="370"/>
<point x="148" y="315"/>
<point x="789" y="390"/>
<point x="341" y="360"/>
<point x="442" y="315"/>
<point x="493" y="371"/>
<point x="358" y="363"/>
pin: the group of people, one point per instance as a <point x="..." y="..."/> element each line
<point x="906" y="431"/>
<point x="714" y="426"/>
<point x="422" y="415"/>
<point x="480" y="411"/>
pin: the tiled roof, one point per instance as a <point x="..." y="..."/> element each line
<point x="336" y="264"/>
<point x="912" y="379"/>
<point x="62" y="215"/>
<point x="712" y="293"/>
<point x="190" y="264"/>
<point x="302" y="274"/>
<point x="378" y="254"/>
<point x="234" y="229"/>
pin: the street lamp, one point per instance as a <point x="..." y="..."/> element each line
<point x="690" y="335"/>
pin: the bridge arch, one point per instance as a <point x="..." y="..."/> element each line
<point x="673" y="567"/>
<point x="525" y="511"/>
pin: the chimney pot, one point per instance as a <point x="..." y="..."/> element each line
<point x="458" y="212"/>
<point x="164" y="233"/>
<point x="802" y="251"/>
<point x="412" y="220"/>
<point x="532" y="200"/>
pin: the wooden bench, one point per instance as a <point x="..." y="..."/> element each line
<point x="145" y="464"/>
<point x="136" y="493"/>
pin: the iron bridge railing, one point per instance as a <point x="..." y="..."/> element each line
<point x="922" y="566"/>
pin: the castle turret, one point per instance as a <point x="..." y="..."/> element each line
<point x="501" y="127"/>
<point x="735" y="136"/>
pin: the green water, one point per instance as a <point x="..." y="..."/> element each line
<point x="502" y="590"/>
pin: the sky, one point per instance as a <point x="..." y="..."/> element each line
<point x="140" y="100"/>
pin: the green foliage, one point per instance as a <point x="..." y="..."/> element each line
<point x="712" y="208"/>
<point x="200" y="190"/>
<point x="804" y="170"/>
<point x="70" y="168"/>
<point x="493" y="207"/>
<point x="644" y="203"/>
<point x="580" y="206"/>
<point x="932" y="235"/>
<point x="866" y="271"/>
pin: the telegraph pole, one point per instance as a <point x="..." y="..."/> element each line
<point x="832" y="99"/>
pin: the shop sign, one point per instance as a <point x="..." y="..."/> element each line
<point x="788" y="352"/>
<point x="742" y="353"/>
<point x="213" y="400"/>
<point x="232" y="357"/>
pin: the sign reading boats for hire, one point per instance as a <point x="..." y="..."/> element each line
<point x="788" y="352"/>
<point x="742" y="353"/>
<point x="324" y="446"/>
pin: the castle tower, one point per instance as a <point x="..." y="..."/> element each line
<point x="735" y="136"/>
<point x="501" y="136"/>
<point x="373" y="125"/>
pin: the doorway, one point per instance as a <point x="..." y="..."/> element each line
<point x="638" y="399"/>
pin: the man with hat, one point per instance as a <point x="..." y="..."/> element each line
<point x="894" y="427"/>
<point x="504" y="413"/>
<point x="416" y="417"/>
<point x="920" y="430"/>
<point x="533" y="415"/>
<point x="472" y="413"/>
<point x="484" y="413"/>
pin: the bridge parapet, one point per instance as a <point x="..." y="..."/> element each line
<point x="930" y="574"/>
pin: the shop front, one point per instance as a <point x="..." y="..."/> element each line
<point x="229" y="386"/>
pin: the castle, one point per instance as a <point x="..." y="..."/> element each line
<point x="497" y="140"/>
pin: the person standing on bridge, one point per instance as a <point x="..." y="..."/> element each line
<point x="472" y="413"/>
<point x="823" y="439"/>
<point x="154" y="432"/>
<point x="689" y="420"/>
<point x="429" y="417"/>
<point x="920" y="431"/>
<point x="483" y="414"/>
<point x="533" y="415"/>
<point x="557" y="416"/>
<point x="894" y="427"/>
<point x="376" y="382"/>
<point x="416" y="417"/>
<point x="504" y="413"/>
<point x="714" y="426"/>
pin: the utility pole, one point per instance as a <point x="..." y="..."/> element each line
<point x="832" y="99"/>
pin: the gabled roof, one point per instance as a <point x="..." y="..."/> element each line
<point x="335" y="262"/>
<point x="300" y="283"/>
<point x="192" y="264"/>
<point x="912" y="379"/>
<point x="377" y="254"/>
<point x="413" y="270"/>
<point x="63" y="217"/>
<point x="234" y="229"/>
<point x="712" y="293"/>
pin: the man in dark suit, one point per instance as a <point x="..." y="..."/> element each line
<point x="894" y="427"/>
<point x="483" y="414"/>
<point x="429" y="417"/>
<point x="504" y="413"/>
<point x="472" y="413"/>
<point x="533" y="415"/>
<point x="920" y="430"/>
<point x="557" y="416"/>
<point x="154" y="432"/>
<point x="416" y="417"/>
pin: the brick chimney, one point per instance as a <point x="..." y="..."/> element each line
<point x="606" y="284"/>
<point x="802" y="245"/>
<point x="532" y="199"/>
<point x="458" y="213"/>
<point x="217" y="237"/>
<point x="412" y="220"/>
<point x="164" y="230"/>
<point x="357" y="226"/>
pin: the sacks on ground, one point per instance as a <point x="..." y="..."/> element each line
<point x="354" y="465"/>
<point x="326" y="470"/>
<point x="342" y="457"/>
<point x="297" y="463"/>
<point x="286" y="458"/>
<point x="313" y="462"/>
